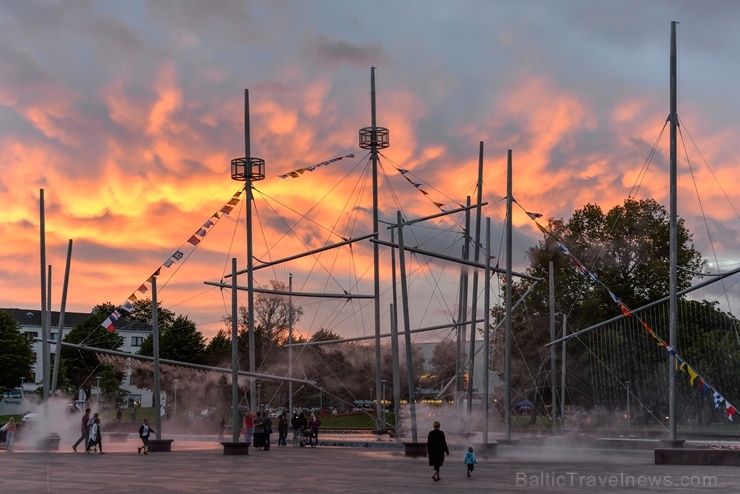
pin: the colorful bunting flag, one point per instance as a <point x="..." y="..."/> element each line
<point x="127" y="306"/>
<point x="143" y="288"/>
<point x="703" y="387"/>
<point x="177" y="255"/>
<point x="169" y="262"/>
<point x="194" y="240"/>
<point x="107" y="324"/>
<point x="718" y="399"/>
<point x="534" y="216"/>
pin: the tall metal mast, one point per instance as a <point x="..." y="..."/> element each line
<point x="673" y="277"/>
<point x="247" y="170"/>
<point x="374" y="138"/>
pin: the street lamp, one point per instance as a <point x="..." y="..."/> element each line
<point x="174" y="413"/>
<point x="259" y="385"/>
<point x="627" y="383"/>
<point x="97" y="379"/>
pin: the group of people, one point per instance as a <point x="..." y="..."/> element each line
<point x="90" y="433"/>
<point x="257" y="430"/>
<point x="437" y="450"/>
<point x="305" y="431"/>
<point x="92" y="436"/>
<point x="258" y="427"/>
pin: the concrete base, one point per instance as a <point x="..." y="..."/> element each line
<point x="160" y="445"/>
<point x="231" y="448"/>
<point x="116" y="437"/>
<point x="487" y="450"/>
<point x="49" y="443"/>
<point x="508" y="442"/>
<point x="672" y="443"/>
<point x="415" y="450"/>
<point x="688" y="456"/>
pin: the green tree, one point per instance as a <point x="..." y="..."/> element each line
<point x="628" y="249"/>
<point x="16" y="356"/>
<point x="82" y="366"/>
<point x="181" y="341"/>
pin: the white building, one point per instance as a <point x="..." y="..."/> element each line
<point x="132" y="332"/>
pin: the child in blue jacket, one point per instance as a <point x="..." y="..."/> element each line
<point x="470" y="459"/>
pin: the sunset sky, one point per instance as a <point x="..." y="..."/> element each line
<point x="128" y="113"/>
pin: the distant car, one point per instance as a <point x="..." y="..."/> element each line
<point x="30" y="417"/>
<point x="277" y="413"/>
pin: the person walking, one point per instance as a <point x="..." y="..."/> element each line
<point x="84" y="429"/>
<point x="282" y="430"/>
<point x="248" y="427"/>
<point x="259" y="431"/>
<point x="296" y="429"/>
<point x="133" y="414"/>
<point x="96" y="437"/>
<point x="89" y="427"/>
<point x="221" y="429"/>
<point x="267" y="427"/>
<point x="313" y="429"/>
<point x="9" y="430"/>
<point x="470" y="460"/>
<point x="436" y="449"/>
<point x="144" y="432"/>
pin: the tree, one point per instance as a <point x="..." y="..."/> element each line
<point x="181" y="341"/>
<point x="16" y="355"/>
<point x="628" y="249"/>
<point x="143" y="313"/>
<point x="443" y="365"/>
<point x="82" y="366"/>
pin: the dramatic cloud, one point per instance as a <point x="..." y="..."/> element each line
<point x="128" y="114"/>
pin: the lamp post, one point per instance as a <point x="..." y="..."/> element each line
<point x="629" y="419"/>
<point x="259" y="385"/>
<point x="174" y="413"/>
<point x="382" y="400"/>
<point x="97" y="384"/>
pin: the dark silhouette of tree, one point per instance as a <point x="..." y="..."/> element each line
<point x="628" y="249"/>
<point x="16" y="355"/>
<point x="82" y="366"/>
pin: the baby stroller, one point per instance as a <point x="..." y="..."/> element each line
<point x="305" y="437"/>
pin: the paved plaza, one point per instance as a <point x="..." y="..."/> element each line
<point x="200" y="467"/>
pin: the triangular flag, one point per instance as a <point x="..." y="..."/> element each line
<point x="132" y="297"/>
<point x="692" y="375"/>
<point x="107" y="324"/>
<point x="730" y="410"/>
<point x="534" y="216"/>
<point x="717" y="399"/>
<point x="625" y="311"/>
<point x="542" y="228"/>
<point x="703" y="387"/>
<point x="157" y="272"/>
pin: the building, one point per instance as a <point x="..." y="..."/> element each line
<point x="132" y="332"/>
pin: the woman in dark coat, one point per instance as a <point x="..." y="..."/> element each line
<point x="436" y="449"/>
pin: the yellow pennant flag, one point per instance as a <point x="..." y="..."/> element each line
<point x="692" y="375"/>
